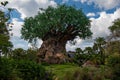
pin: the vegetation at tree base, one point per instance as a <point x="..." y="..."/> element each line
<point x="21" y="54"/>
<point x="56" y="26"/>
<point x="99" y="62"/>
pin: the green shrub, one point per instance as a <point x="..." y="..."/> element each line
<point x="29" y="70"/>
<point x="11" y="69"/>
<point x="113" y="61"/>
<point x="21" y="54"/>
<point x="7" y="71"/>
<point x="90" y="73"/>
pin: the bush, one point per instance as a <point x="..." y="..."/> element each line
<point x="7" y="71"/>
<point x="30" y="70"/>
<point x="113" y="61"/>
<point x="11" y="69"/>
<point x="90" y="73"/>
<point x="20" y="54"/>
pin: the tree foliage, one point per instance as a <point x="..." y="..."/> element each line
<point x="115" y="28"/>
<point x="57" y="22"/>
<point x="11" y="69"/>
<point x="20" y="54"/>
<point x="5" y="44"/>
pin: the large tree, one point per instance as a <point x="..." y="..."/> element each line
<point x="56" y="26"/>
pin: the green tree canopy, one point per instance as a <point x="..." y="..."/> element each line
<point x="58" y="22"/>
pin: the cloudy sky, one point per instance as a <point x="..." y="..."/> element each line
<point x="101" y="12"/>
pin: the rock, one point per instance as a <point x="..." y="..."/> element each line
<point x="88" y="63"/>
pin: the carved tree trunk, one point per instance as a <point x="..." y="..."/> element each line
<point x="53" y="47"/>
<point x="52" y="51"/>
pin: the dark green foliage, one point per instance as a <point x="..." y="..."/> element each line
<point x="6" y="69"/>
<point x="20" y="54"/>
<point x="31" y="55"/>
<point x="30" y="70"/>
<point x="96" y="54"/>
<point x="113" y="61"/>
<point x="5" y="44"/>
<point x="11" y="69"/>
<point x="60" y="21"/>
<point x="80" y="57"/>
<point x="115" y="28"/>
<point x="98" y="48"/>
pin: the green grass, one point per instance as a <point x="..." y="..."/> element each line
<point x="59" y="70"/>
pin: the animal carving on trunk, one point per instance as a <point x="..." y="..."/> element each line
<point x="50" y="52"/>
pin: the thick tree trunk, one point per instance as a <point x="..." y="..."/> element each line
<point x="52" y="51"/>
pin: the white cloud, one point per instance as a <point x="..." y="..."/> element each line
<point x="30" y="7"/>
<point x="79" y="44"/>
<point x="91" y="14"/>
<point x="19" y="43"/>
<point x="103" y="4"/>
<point x="83" y="1"/>
<point x="100" y="25"/>
<point x="16" y="37"/>
<point x="38" y="44"/>
<point x="16" y="27"/>
<point x="27" y="8"/>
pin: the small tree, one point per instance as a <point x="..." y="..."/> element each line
<point x="115" y="29"/>
<point x="56" y="26"/>
<point x="18" y="54"/>
<point x="99" y="48"/>
<point x="5" y="44"/>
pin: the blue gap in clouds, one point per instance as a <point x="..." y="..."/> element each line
<point x="15" y="14"/>
<point x="84" y="6"/>
<point x="111" y="10"/>
<point x="58" y="1"/>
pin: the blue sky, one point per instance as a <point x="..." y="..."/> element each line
<point x="101" y="12"/>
